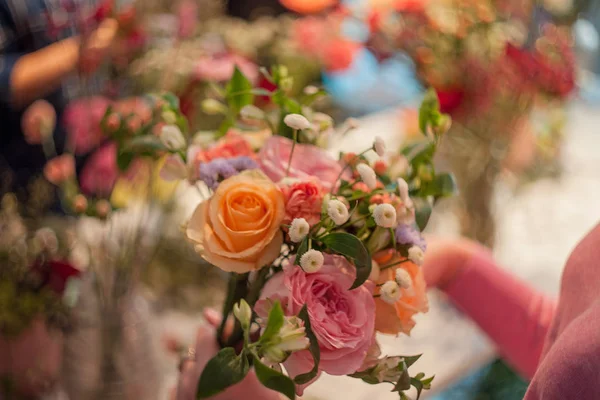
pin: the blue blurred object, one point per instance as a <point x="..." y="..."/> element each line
<point x="357" y="7"/>
<point x="355" y="30"/>
<point x="368" y="86"/>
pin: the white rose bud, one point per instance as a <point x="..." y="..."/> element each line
<point x="297" y="121"/>
<point x="252" y="112"/>
<point x="312" y="261"/>
<point x="310" y="90"/>
<point x="385" y="215"/>
<point x="403" y="191"/>
<point x="379" y="146"/>
<point x="243" y="313"/>
<point x="338" y="212"/>
<point x="172" y="137"/>
<point x="299" y="230"/>
<point x="169" y="117"/>
<point x="213" y="107"/>
<point x="390" y="292"/>
<point x="416" y="255"/>
<point x="367" y="175"/>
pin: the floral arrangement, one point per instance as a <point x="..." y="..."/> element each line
<point x="39" y="272"/>
<point x="321" y="253"/>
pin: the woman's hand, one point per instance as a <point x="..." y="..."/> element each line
<point x="446" y="258"/>
<point x="98" y="45"/>
<point x="206" y="348"/>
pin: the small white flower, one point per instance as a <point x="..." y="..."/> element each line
<point x="310" y="90"/>
<point x="243" y="313"/>
<point x="252" y="112"/>
<point x="403" y="278"/>
<point x="337" y="211"/>
<point x="312" y="261"/>
<point x="416" y="255"/>
<point x="299" y="230"/>
<point x="385" y="215"/>
<point x="169" y="117"/>
<point x="367" y="175"/>
<point x="172" y="137"/>
<point x="173" y="169"/>
<point x="390" y="292"/>
<point x="403" y="191"/>
<point x="352" y="123"/>
<point x="379" y="146"/>
<point x="297" y="121"/>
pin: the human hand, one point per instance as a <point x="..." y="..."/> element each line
<point x="446" y="258"/>
<point x="206" y="347"/>
<point x="97" y="45"/>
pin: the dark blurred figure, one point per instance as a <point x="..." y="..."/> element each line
<point x="42" y="53"/>
<point x="252" y="9"/>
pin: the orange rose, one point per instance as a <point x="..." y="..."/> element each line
<point x="238" y="228"/>
<point x="397" y="318"/>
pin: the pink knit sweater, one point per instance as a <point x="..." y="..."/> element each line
<point x="556" y="346"/>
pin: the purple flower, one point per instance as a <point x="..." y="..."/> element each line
<point x="409" y="234"/>
<point x="219" y="169"/>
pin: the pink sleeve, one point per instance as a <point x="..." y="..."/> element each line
<point x="514" y="315"/>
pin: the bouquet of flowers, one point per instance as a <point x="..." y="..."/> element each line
<point x="321" y="253"/>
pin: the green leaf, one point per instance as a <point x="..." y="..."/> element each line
<point x="239" y="91"/>
<point x="423" y="210"/>
<point x="313" y="348"/>
<point x="274" y="380"/>
<point x="124" y="159"/>
<point x="143" y="144"/>
<point x="224" y="370"/>
<point x="410" y="360"/>
<point x="404" y="381"/>
<point x="274" y="323"/>
<point x="352" y="247"/>
<point x="172" y="100"/>
<point x="442" y="185"/>
<point x="302" y="248"/>
<point x="366" y="376"/>
<point x="424" y="156"/>
<point x="261" y="92"/>
<point x="429" y="111"/>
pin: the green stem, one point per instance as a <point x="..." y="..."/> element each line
<point x="235" y="291"/>
<point x="393" y="265"/>
<point x="287" y="171"/>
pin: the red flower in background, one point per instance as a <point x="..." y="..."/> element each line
<point x="55" y="274"/>
<point x="450" y="99"/>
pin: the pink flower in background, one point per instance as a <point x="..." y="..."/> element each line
<point x="308" y="162"/>
<point x="231" y="145"/>
<point x="303" y="200"/>
<point x="100" y="172"/>
<point x="38" y="122"/>
<point x="82" y="121"/>
<point x="219" y="68"/>
<point x="342" y="320"/>
<point x="187" y="14"/>
<point x="60" y="169"/>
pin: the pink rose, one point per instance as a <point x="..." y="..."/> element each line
<point x="308" y="162"/>
<point x="219" y="68"/>
<point x="231" y="145"/>
<point x="82" y="122"/>
<point x="100" y="172"/>
<point x="38" y="122"/>
<point x="342" y="320"/>
<point x="303" y="200"/>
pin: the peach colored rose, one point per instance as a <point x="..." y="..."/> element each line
<point x="33" y="359"/>
<point x="60" y="169"/>
<point x="397" y="318"/>
<point x="308" y="162"/>
<point x="238" y="228"/>
<point x="303" y="200"/>
<point x="38" y="122"/>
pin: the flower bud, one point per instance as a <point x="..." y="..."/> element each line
<point x="213" y="107"/>
<point x="243" y="313"/>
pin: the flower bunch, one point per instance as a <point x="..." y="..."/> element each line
<point x="321" y="253"/>
<point x="39" y="272"/>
